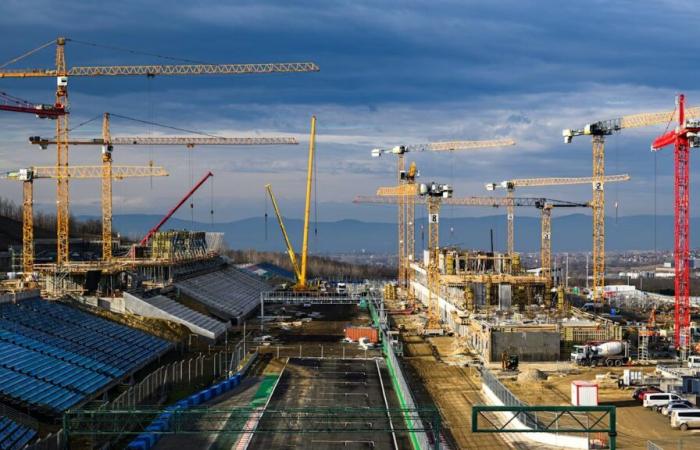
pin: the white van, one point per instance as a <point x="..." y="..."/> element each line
<point x="685" y="418"/>
<point x="694" y="362"/>
<point x="659" y="399"/>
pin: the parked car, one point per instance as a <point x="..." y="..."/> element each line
<point x="685" y="418"/>
<point x="347" y="340"/>
<point x="675" y="406"/>
<point x="365" y="344"/>
<point x="659" y="399"/>
<point x="639" y="393"/>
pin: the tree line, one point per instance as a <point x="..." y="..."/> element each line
<point x="317" y="266"/>
<point x="47" y="221"/>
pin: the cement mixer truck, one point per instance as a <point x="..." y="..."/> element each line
<point x="608" y="353"/>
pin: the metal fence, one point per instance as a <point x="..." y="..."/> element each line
<point x="508" y="398"/>
<point x="340" y="351"/>
<point x="53" y="441"/>
<point x="194" y="371"/>
<point x="392" y="360"/>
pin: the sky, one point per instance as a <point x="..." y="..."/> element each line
<point x="392" y="72"/>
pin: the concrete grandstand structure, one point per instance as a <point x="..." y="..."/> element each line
<point x="228" y="293"/>
<point x="161" y="307"/>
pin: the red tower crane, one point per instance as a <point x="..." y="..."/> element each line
<point x="684" y="136"/>
<point x="11" y="103"/>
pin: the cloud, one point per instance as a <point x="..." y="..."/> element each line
<point x="391" y="73"/>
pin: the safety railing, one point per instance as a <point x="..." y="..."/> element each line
<point x="420" y="440"/>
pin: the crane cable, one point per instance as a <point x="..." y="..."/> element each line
<point x="151" y="114"/>
<point x="132" y="51"/>
<point x="29" y="53"/>
<point x="211" y="203"/>
<point x="315" y="167"/>
<point x="265" y="196"/>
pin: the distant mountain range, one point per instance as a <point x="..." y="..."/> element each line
<point x="570" y="233"/>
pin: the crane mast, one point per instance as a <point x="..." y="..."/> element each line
<point x="62" y="73"/>
<point x="598" y="131"/>
<point x="307" y="208"/>
<point x="510" y="186"/>
<point x="27" y="176"/>
<point x="108" y="142"/>
<point x="406" y="205"/>
<point x="684" y="136"/>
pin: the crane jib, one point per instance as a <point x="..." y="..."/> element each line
<point x="183" y="69"/>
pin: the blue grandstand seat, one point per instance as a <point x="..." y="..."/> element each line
<point x="14" y="436"/>
<point x="54" y="356"/>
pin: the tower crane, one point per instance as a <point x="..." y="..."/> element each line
<point x="27" y="176"/>
<point x="62" y="73"/>
<point x="434" y="195"/>
<point x="684" y="136"/>
<point x="300" y="271"/>
<point x="598" y="131"/>
<point x="108" y="142"/>
<point x="510" y="185"/>
<point x="15" y="104"/>
<point x="406" y="207"/>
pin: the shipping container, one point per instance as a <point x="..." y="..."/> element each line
<point x="355" y="333"/>
<point x="584" y="393"/>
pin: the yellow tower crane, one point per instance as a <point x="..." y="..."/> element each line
<point x="300" y="271"/>
<point x="27" y="176"/>
<point x="406" y="207"/>
<point x="598" y="131"/>
<point x="510" y="185"/>
<point x="108" y="143"/>
<point x="62" y="73"/>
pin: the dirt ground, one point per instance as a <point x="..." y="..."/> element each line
<point x="454" y="390"/>
<point x="635" y="424"/>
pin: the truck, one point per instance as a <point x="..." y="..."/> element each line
<point x="608" y="353"/>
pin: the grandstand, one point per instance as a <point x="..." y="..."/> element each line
<point x="14" y="436"/>
<point x="161" y="307"/>
<point x="54" y="357"/>
<point x="228" y="293"/>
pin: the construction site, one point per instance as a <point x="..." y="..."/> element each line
<point x="164" y="342"/>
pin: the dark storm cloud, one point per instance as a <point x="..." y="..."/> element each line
<point x="391" y="72"/>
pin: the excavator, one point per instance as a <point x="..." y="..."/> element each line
<point x="302" y="283"/>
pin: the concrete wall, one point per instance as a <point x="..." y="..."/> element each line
<point x="21" y="295"/>
<point x="529" y="346"/>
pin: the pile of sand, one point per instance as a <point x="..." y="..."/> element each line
<point x="531" y="375"/>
